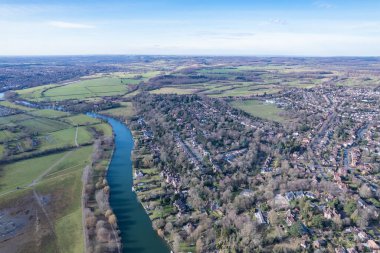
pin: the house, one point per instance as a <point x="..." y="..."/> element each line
<point x="290" y="220"/>
<point x="139" y="174"/>
<point x="180" y="205"/>
<point x="362" y="236"/>
<point x="289" y="196"/>
<point x="330" y="213"/>
<point x="299" y="194"/>
<point x="247" y="193"/>
<point x="340" y="250"/>
<point x="362" y="204"/>
<point x="319" y="243"/>
<point x="309" y="195"/>
<point x="373" y="245"/>
<point x="260" y="217"/>
<point x="189" y="228"/>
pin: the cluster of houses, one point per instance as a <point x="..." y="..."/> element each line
<point x="291" y="195"/>
<point x="266" y="168"/>
<point x="230" y="156"/>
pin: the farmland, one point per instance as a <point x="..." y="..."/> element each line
<point x="88" y="88"/>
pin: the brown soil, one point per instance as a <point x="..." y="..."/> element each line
<point x="24" y="227"/>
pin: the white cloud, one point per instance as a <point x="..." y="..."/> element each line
<point x="69" y="25"/>
<point x="323" y="5"/>
<point x="278" y="21"/>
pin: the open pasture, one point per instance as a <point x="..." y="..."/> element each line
<point x="125" y="110"/>
<point x="81" y="120"/>
<point x="43" y="125"/>
<point x="260" y="109"/>
<point x="52" y="114"/>
<point x="173" y="90"/>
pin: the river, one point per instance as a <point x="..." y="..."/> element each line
<point x="136" y="229"/>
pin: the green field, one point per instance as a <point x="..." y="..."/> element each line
<point x="22" y="173"/>
<point x="260" y="109"/>
<point x="125" y="110"/>
<point x="173" y="90"/>
<point x="43" y="125"/>
<point x="65" y="138"/>
<point x="85" y="89"/>
<point x="104" y="128"/>
<point x="81" y="120"/>
<point x="52" y="114"/>
<point x="104" y="86"/>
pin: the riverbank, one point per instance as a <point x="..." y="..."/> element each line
<point x="134" y="224"/>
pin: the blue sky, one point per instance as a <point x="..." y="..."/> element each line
<point x="191" y="27"/>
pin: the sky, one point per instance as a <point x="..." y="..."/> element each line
<point x="191" y="27"/>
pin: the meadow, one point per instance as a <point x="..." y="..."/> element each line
<point x="87" y="88"/>
<point x="259" y="109"/>
<point x="54" y="176"/>
<point x="125" y="110"/>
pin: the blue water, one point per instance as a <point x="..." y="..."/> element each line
<point x="136" y="229"/>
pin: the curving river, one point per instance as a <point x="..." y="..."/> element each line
<point x="136" y="229"/>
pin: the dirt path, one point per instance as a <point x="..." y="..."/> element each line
<point x="76" y="137"/>
<point x="38" y="179"/>
<point x="51" y="224"/>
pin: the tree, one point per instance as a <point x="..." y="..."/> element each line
<point x="273" y="217"/>
<point x="317" y="221"/>
<point x="365" y="191"/>
<point x="350" y="207"/>
<point x="297" y="229"/>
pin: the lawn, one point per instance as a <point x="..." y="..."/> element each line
<point x="259" y="109"/>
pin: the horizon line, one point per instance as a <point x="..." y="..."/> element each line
<point x="193" y="55"/>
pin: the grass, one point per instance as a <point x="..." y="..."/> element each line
<point x="2" y="149"/>
<point x="77" y="159"/>
<point x="81" y="120"/>
<point x="13" y="119"/>
<point x="65" y="138"/>
<point x="33" y="93"/>
<point x="104" y="128"/>
<point x="43" y="125"/>
<point x="22" y="173"/>
<point x="65" y="208"/>
<point x="259" y="109"/>
<point x="124" y="111"/>
<point x="173" y="90"/>
<point x="52" y="114"/>
<point x="70" y="232"/>
<point x="106" y="86"/>
<point x="15" y="106"/>
<point x="6" y="135"/>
